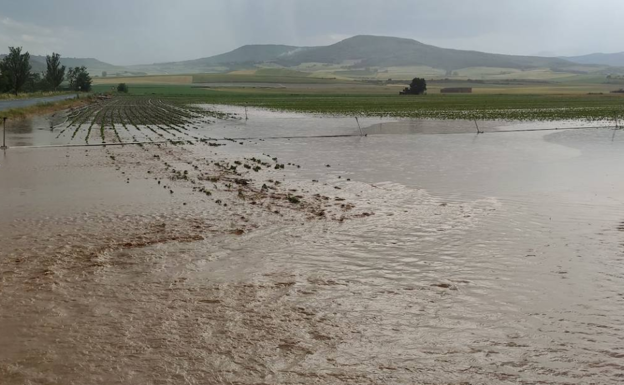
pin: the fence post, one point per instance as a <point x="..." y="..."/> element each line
<point x="358" y="123"/>
<point x="4" y="147"/>
<point x="478" y="130"/>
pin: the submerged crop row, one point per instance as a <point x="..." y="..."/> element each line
<point x="479" y="107"/>
<point x="151" y="119"/>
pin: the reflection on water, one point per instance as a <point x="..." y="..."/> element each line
<point x="34" y="131"/>
<point x="493" y="258"/>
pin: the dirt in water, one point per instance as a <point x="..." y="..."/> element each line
<point x="314" y="261"/>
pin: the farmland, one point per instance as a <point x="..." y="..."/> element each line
<point x="360" y="101"/>
<point x="148" y="196"/>
<point x="135" y="119"/>
<point x="163" y="79"/>
<point x="480" y="107"/>
<point x="271" y="76"/>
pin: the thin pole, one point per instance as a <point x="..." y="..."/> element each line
<point x="358" y="123"/>
<point x="478" y="131"/>
<point x="4" y="147"/>
<point x="246" y="118"/>
<point x="617" y="127"/>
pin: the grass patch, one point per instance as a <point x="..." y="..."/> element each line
<point x="271" y="76"/>
<point x="156" y="79"/>
<point x="283" y="72"/>
<point x="155" y="89"/>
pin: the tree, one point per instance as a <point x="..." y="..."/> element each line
<point x="104" y="74"/>
<point x="122" y="87"/>
<point x="79" y="79"/>
<point x="16" y="67"/>
<point x="417" y="87"/>
<point x="4" y="81"/>
<point x="55" y="72"/>
<point x="36" y="83"/>
<point x="71" y="77"/>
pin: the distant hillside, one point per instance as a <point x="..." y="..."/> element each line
<point x="250" y="54"/>
<point x="364" y="57"/>
<point x="94" y="66"/>
<point x="610" y="59"/>
<point x="239" y="58"/>
<point x="36" y="66"/>
<point x="383" y="51"/>
<point x="359" y="52"/>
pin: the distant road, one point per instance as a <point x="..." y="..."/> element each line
<point x="19" y="103"/>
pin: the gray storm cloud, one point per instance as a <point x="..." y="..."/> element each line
<point x="142" y="31"/>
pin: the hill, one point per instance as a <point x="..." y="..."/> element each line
<point x="94" y="66"/>
<point x="610" y="59"/>
<point x="250" y="54"/>
<point x="358" y="52"/>
<point x="367" y="57"/>
<point x="381" y="51"/>
<point x="242" y="57"/>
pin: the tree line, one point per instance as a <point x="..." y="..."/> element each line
<point x="16" y="74"/>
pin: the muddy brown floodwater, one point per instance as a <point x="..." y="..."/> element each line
<point x="420" y="254"/>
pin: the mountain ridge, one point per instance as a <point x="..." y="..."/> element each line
<point x="95" y="66"/>
<point x="610" y="59"/>
<point x="386" y="51"/>
<point x="357" y="52"/>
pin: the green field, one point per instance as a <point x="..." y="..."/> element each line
<point x="268" y="76"/>
<point x="480" y="107"/>
<point x="435" y="106"/>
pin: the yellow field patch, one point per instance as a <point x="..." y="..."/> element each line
<point x="408" y="73"/>
<point x="156" y="79"/>
<point x="243" y="72"/>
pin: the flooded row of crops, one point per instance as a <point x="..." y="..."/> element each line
<point x="221" y="249"/>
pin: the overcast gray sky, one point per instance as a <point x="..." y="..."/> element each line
<point x="147" y="31"/>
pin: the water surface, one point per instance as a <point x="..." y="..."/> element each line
<point x="488" y="258"/>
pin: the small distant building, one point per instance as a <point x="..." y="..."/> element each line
<point x="456" y="90"/>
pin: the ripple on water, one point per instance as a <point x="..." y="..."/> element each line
<point x="491" y="259"/>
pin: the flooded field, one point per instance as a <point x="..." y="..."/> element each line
<point x="20" y="103"/>
<point x="420" y="253"/>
